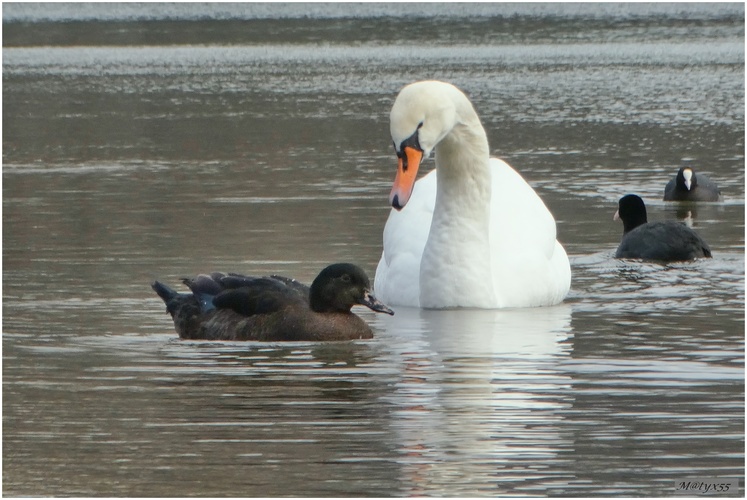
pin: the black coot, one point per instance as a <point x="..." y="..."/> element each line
<point x="687" y="186"/>
<point x="662" y="241"/>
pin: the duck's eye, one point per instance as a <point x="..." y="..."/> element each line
<point x="345" y="278"/>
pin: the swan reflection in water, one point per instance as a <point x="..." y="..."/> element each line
<point x="478" y="394"/>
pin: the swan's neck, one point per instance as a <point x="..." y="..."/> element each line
<point x="456" y="259"/>
<point x="462" y="160"/>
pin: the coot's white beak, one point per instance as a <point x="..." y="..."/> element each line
<point x="688" y="175"/>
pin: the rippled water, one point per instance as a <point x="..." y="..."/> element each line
<point x="195" y="140"/>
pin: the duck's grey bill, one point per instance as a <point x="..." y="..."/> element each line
<point x="374" y="304"/>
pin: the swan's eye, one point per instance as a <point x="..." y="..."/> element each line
<point x="413" y="142"/>
<point x="345" y="278"/>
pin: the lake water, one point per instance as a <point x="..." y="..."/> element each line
<point x="162" y="141"/>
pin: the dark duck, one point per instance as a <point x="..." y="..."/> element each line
<point x="689" y="186"/>
<point x="666" y="241"/>
<point x="272" y="308"/>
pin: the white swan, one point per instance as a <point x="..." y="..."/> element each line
<point x="474" y="233"/>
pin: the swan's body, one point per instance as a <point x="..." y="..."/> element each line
<point x="474" y="233"/>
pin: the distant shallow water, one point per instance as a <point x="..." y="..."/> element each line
<point x="30" y="12"/>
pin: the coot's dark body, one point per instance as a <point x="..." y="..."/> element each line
<point x="689" y="186"/>
<point x="667" y="241"/>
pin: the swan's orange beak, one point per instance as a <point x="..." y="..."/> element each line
<point x="407" y="171"/>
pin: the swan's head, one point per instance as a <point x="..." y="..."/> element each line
<point x="422" y="115"/>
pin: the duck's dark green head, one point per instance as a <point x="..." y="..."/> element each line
<point x="341" y="286"/>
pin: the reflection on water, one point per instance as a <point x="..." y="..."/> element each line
<point x="261" y="146"/>
<point x="479" y="396"/>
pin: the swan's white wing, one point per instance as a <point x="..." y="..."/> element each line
<point x="530" y="267"/>
<point x="397" y="280"/>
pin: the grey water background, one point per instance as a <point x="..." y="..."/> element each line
<point x="162" y="140"/>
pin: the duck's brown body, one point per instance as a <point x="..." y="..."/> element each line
<point x="288" y="324"/>
<point x="272" y="308"/>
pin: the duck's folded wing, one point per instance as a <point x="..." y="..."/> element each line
<point x="205" y="283"/>
<point x="205" y="287"/>
<point x="258" y="296"/>
<point x="295" y="285"/>
<point x="233" y="281"/>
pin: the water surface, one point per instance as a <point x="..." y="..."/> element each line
<point x="162" y="142"/>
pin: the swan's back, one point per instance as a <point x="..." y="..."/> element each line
<point x="530" y="268"/>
